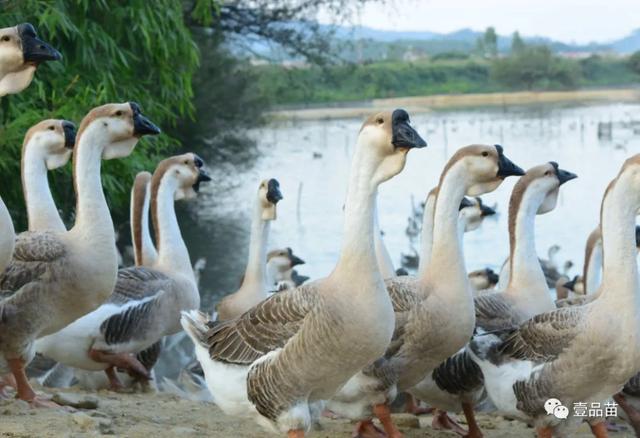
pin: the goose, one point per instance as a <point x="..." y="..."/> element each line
<point x="56" y="277"/>
<point x="434" y="311"/>
<point x="254" y="284"/>
<point x="47" y="145"/>
<point x="145" y="254"/>
<point x="146" y="302"/>
<point x="279" y="271"/>
<point x="580" y="353"/>
<point x="527" y="295"/>
<point x="549" y="267"/>
<point x="279" y="361"/>
<point x="586" y="291"/>
<point x="483" y="280"/>
<point x="21" y="51"/>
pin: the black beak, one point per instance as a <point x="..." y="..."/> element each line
<point x="273" y="191"/>
<point x="295" y="260"/>
<point x="465" y="203"/>
<point x="563" y="175"/>
<point x="69" y="134"/>
<point x="142" y="125"/>
<point x="493" y="277"/>
<point x="402" y="272"/>
<point x="506" y="167"/>
<point x="638" y="236"/>
<point x="403" y="135"/>
<point x="33" y="48"/>
<point x="485" y="210"/>
<point x="571" y="284"/>
<point x="203" y="176"/>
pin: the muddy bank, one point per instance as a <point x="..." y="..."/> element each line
<point x="420" y="104"/>
<point x="162" y="415"/>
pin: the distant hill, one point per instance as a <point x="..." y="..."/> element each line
<point x="468" y="37"/>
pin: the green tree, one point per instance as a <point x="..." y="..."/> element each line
<point x="634" y="62"/>
<point x="535" y="67"/>
<point x="517" y="44"/>
<point x="491" y="42"/>
<point x="112" y="52"/>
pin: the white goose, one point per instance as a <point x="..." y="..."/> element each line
<point x="54" y="278"/>
<point x="457" y="382"/>
<point x="279" y="361"/>
<point x="20" y="54"/>
<point x="254" y="287"/>
<point x="280" y="273"/>
<point x="581" y="353"/>
<point x="146" y="303"/>
<point x="434" y="312"/>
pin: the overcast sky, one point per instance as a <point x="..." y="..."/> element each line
<point x="565" y="20"/>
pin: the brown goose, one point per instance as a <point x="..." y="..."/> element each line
<point x="254" y="287"/>
<point x="279" y="361"/>
<point x="47" y="145"/>
<point x="54" y="278"/>
<point x="581" y="353"/>
<point x="434" y="312"/>
<point x="457" y="381"/>
<point x="146" y="302"/>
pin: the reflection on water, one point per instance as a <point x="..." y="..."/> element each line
<point x="311" y="161"/>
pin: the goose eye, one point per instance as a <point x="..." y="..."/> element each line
<point x="51" y="128"/>
<point x="379" y="120"/>
<point x="6" y="38"/>
<point x="118" y="113"/>
<point x="186" y="162"/>
<point x="485" y="154"/>
<point x="548" y="172"/>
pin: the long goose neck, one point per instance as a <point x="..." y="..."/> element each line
<point x="144" y="250"/>
<point x="42" y="212"/>
<point x="446" y="254"/>
<point x="357" y="255"/>
<point x="256" y="263"/>
<point x="385" y="264"/>
<point x="620" y="272"/>
<point x="593" y="268"/>
<point x="526" y="272"/>
<point x="426" y="235"/>
<point x="172" y="251"/>
<point x="93" y="219"/>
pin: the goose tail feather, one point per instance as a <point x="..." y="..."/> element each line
<point x="194" y="323"/>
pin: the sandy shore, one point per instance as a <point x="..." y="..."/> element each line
<point x="428" y="103"/>
<point x="163" y="415"/>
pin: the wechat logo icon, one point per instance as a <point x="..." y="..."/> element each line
<point x="554" y="407"/>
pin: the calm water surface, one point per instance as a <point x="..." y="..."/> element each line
<point x="311" y="160"/>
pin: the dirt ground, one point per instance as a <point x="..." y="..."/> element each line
<point x="163" y="415"/>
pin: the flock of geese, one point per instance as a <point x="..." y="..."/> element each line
<point x="346" y="344"/>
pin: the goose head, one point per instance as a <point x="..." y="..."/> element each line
<point x="185" y="173"/>
<point x="485" y="168"/>
<point x="120" y="124"/>
<point x="283" y="260"/>
<point x="268" y="197"/>
<point x="387" y="137"/>
<point x="51" y="141"/>
<point x="575" y="285"/>
<point x="470" y="214"/>
<point x="21" y="51"/>
<point x="543" y="182"/>
<point x="483" y="279"/>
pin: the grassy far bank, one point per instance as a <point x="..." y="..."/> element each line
<point x="533" y="71"/>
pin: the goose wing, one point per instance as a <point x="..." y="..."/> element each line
<point x="403" y="299"/>
<point x="494" y="312"/>
<point x="264" y="328"/>
<point x="33" y="256"/>
<point x="140" y="294"/>
<point x="545" y="336"/>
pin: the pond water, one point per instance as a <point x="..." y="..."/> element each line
<point x="311" y="161"/>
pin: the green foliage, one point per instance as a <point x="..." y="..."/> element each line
<point x="634" y="62"/>
<point x="535" y="67"/>
<point x="603" y="71"/>
<point x="517" y="43"/>
<point x="369" y="81"/>
<point x="113" y="52"/>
